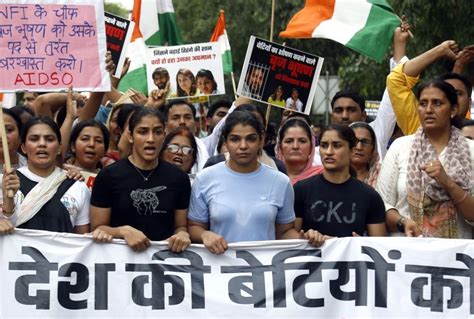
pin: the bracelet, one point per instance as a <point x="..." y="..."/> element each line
<point x="456" y="203"/>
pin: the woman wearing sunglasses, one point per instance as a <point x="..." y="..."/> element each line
<point x="180" y="149"/>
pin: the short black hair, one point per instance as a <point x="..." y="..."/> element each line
<point x="174" y="102"/>
<point x="455" y="76"/>
<point x="214" y="106"/>
<point x="359" y="99"/>
<point x="160" y="71"/>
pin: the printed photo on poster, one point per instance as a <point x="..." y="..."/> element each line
<point x="49" y="45"/>
<point x="186" y="70"/>
<point x="279" y="75"/>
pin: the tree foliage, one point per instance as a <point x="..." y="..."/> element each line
<point x="116" y="8"/>
<point x="432" y="22"/>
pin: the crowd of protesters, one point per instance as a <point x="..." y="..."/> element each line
<point x="135" y="167"/>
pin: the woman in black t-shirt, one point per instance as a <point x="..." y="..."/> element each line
<point x="140" y="198"/>
<point x="335" y="204"/>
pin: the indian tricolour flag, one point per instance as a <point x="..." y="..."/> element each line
<point x="155" y="25"/>
<point x="366" y="26"/>
<point x="220" y="35"/>
<point x="7" y="100"/>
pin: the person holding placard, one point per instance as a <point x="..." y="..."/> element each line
<point x="45" y="198"/>
<point x="140" y="197"/>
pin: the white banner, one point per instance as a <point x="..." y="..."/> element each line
<point x="50" y="275"/>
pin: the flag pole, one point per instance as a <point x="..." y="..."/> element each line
<point x="269" y="106"/>
<point x="6" y="153"/>
<point x="272" y="20"/>
<point x="233" y="84"/>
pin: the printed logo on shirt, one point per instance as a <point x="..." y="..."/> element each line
<point x="71" y="205"/>
<point x="327" y="212"/>
<point x="146" y="201"/>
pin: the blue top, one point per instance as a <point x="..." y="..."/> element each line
<point x="242" y="206"/>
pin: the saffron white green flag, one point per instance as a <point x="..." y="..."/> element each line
<point x="220" y="35"/>
<point x="366" y="26"/>
<point x="155" y="25"/>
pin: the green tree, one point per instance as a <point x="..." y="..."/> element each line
<point x="432" y="22"/>
<point x="116" y="8"/>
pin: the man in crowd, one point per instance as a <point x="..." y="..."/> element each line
<point x="179" y="112"/>
<point x="293" y="102"/>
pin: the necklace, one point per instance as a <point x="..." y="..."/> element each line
<point x="145" y="178"/>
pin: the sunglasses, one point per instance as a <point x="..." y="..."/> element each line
<point x="364" y="142"/>
<point x="175" y="148"/>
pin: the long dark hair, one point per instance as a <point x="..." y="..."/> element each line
<point x="188" y="73"/>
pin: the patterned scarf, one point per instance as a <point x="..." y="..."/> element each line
<point x="374" y="169"/>
<point x="430" y="205"/>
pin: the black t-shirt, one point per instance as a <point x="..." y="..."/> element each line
<point x="337" y="209"/>
<point x="145" y="205"/>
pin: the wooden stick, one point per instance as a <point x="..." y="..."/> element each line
<point x="6" y="152"/>
<point x="267" y="114"/>
<point x="233" y="84"/>
<point x="272" y="20"/>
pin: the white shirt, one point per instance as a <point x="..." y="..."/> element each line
<point x="392" y="180"/>
<point x="76" y="199"/>
<point x="294" y="105"/>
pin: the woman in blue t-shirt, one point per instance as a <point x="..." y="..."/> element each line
<point x="241" y="199"/>
<point x="334" y="203"/>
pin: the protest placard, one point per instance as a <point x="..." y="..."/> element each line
<point x="52" y="44"/>
<point x="118" y="31"/>
<point x="193" y="69"/>
<point x="279" y="75"/>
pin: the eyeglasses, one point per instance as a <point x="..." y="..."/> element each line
<point x="365" y="142"/>
<point x="175" y="148"/>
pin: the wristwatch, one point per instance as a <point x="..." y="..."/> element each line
<point x="401" y="224"/>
